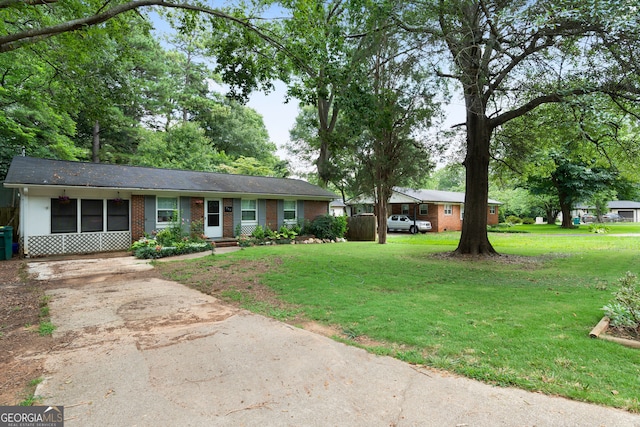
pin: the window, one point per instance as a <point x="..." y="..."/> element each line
<point x="461" y="212"/>
<point x="167" y="208"/>
<point x="290" y="211"/>
<point x="117" y="215"/>
<point x="448" y="210"/>
<point x="424" y="209"/>
<point x="213" y="213"/>
<point x="91" y="215"/>
<point x="249" y="210"/>
<point x="64" y="216"/>
<point x="492" y="210"/>
<point x="405" y="209"/>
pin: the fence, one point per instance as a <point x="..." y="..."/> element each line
<point x="362" y="228"/>
<point x="10" y="216"/>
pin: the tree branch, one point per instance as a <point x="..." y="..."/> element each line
<point x="536" y="102"/>
<point x="8" y="3"/>
<point x="15" y="41"/>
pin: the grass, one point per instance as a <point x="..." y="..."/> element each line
<point x="521" y="320"/>
<point x="31" y="399"/>
<point x="614" y="228"/>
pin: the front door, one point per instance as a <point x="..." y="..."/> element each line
<point x="212" y="218"/>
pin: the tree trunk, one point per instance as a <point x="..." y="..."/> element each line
<point x="474" y="239"/>
<point x="552" y="214"/>
<point x="382" y="196"/>
<point x="95" y="146"/>
<point x="566" y="213"/>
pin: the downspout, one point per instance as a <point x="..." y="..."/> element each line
<point x="22" y="227"/>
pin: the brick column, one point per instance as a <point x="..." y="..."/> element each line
<point x="137" y="217"/>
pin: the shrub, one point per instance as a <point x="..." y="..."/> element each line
<point x="598" y="228"/>
<point x="624" y="310"/>
<point x="528" y="220"/>
<point x="287" y="233"/>
<point x="512" y="219"/>
<point x="328" y="227"/>
<point x="258" y="232"/>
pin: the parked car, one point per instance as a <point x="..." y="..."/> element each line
<point x="612" y="217"/>
<point x="406" y="223"/>
<point x="588" y="218"/>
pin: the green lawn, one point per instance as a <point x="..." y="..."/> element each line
<point x="522" y="320"/>
<point x="613" y="228"/>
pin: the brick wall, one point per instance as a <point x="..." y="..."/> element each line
<point x="492" y="219"/>
<point x="227" y="218"/>
<point x="272" y="214"/>
<point x="137" y="217"/>
<point x="197" y="213"/>
<point x="314" y="208"/>
<point x="449" y="222"/>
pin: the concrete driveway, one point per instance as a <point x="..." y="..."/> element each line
<point x="141" y="351"/>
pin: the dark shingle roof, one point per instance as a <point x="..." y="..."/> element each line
<point x="437" y="196"/>
<point x="44" y="172"/>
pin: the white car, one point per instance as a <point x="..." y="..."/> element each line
<point x="405" y="223"/>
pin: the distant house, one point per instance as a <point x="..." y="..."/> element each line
<point x="444" y="209"/>
<point x="337" y="208"/>
<point x="627" y="209"/>
<point x="76" y="207"/>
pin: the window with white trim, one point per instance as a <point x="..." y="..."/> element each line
<point x="424" y="209"/>
<point x="492" y="209"/>
<point x="167" y="209"/>
<point x="290" y="211"/>
<point x="249" y="210"/>
<point x="461" y="212"/>
<point x="405" y="209"/>
<point x="448" y="209"/>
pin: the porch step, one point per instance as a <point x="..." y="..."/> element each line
<point x="224" y="242"/>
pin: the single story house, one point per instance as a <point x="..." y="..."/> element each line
<point x="627" y="209"/>
<point x="337" y="207"/>
<point x="76" y="207"/>
<point x="444" y="209"/>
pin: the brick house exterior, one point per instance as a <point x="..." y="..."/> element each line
<point x="444" y="209"/>
<point x="77" y="207"/>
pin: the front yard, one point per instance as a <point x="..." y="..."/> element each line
<point x="520" y="320"/>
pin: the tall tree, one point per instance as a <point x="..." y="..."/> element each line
<point x="393" y="105"/>
<point x="569" y="153"/>
<point x="508" y="58"/>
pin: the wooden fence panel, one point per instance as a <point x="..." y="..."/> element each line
<point x="362" y="228"/>
<point x="10" y="216"/>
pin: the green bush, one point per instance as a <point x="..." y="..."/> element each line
<point x="598" y="228"/>
<point x="328" y="227"/>
<point x="528" y="220"/>
<point x="512" y="219"/>
<point x="258" y="232"/>
<point x="154" y="252"/>
<point x="624" y="310"/>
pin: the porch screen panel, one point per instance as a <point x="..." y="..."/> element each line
<point x="117" y="215"/>
<point x="64" y="216"/>
<point x="91" y="215"/>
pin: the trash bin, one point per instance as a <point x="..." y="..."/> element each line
<point x="576" y="221"/>
<point x="6" y="242"/>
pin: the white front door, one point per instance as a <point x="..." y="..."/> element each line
<point x="213" y="218"/>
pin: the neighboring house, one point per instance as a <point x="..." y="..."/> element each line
<point x="444" y="209"/>
<point x="627" y="209"/>
<point x="76" y="207"/>
<point x="337" y="207"/>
